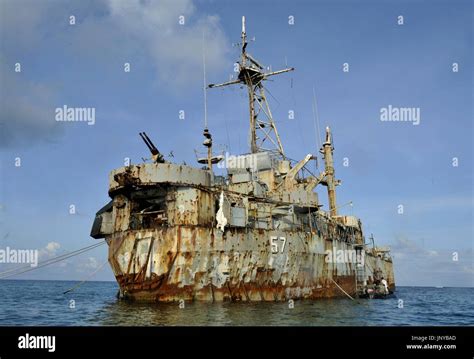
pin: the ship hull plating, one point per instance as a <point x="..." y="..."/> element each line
<point x="195" y="263"/>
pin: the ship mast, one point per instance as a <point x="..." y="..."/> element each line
<point x="207" y="135"/>
<point x="331" y="183"/>
<point x="262" y="126"/>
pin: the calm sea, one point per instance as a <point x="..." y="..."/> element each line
<point x="25" y="302"/>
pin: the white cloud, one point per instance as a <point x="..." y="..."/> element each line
<point x="176" y="49"/>
<point x="52" y="247"/>
<point x="50" y="250"/>
<point x="91" y="263"/>
<point x="149" y="33"/>
<point x="107" y="33"/>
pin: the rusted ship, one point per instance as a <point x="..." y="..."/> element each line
<point x="257" y="233"/>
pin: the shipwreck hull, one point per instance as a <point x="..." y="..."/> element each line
<point x="195" y="263"/>
<point x="253" y="230"/>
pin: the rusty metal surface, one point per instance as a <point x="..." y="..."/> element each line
<point x="155" y="173"/>
<point x="274" y="252"/>
<point x="195" y="263"/>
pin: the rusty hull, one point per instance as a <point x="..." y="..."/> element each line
<point x="196" y="263"/>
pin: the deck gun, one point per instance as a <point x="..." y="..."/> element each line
<point x="155" y="154"/>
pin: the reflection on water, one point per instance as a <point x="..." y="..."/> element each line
<point x="43" y="303"/>
<point x="324" y="312"/>
<point x="307" y="313"/>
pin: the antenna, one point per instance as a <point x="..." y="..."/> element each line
<point x="208" y="137"/>
<point x="251" y="74"/>
<point x="204" y="79"/>
<point x="316" y="119"/>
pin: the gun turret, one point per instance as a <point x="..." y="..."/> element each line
<point x="155" y="154"/>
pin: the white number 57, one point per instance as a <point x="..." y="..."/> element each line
<point x="274" y="243"/>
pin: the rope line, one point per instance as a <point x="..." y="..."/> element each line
<point x="28" y="268"/>
<point x="337" y="285"/>
<point x="88" y="277"/>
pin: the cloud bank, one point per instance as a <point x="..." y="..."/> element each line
<point x="165" y="36"/>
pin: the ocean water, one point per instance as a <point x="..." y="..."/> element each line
<point x="42" y="303"/>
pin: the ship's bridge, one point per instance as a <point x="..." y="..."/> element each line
<point x="149" y="174"/>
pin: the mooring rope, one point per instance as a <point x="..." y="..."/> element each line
<point x="28" y="268"/>
<point x="85" y="280"/>
<point x="342" y="290"/>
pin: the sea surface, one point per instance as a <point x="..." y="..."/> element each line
<point x="43" y="303"/>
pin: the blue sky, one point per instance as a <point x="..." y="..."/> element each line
<point x="390" y="163"/>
